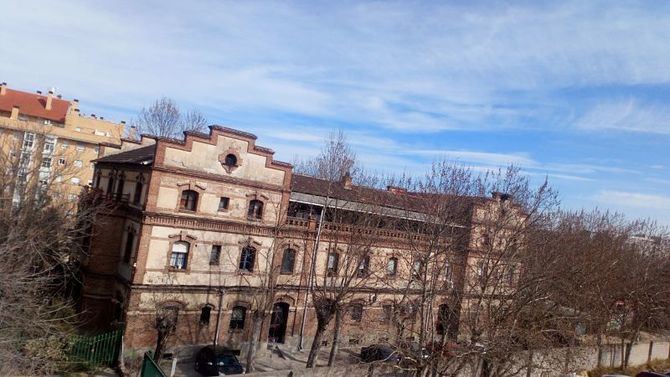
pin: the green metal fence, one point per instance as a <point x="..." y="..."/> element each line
<point x="101" y="349"/>
<point x="150" y="368"/>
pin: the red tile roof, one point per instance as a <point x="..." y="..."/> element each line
<point x="33" y="104"/>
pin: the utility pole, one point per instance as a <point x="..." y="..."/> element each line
<point x="218" y="318"/>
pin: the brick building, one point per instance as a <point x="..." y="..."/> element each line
<point x="48" y="138"/>
<point x="201" y="222"/>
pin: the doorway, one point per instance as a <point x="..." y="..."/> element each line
<point x="278" y="321"/>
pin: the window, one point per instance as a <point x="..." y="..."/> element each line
<point x="189" y="200"/>
<point x="215" y="255"/>
<point x="387" y="313"/>
<point x="223" y="203"/>
<point x="417" y="269"/>
<point x="128" y="250"/>
<point x="230" y="160"/>
<point x="247" y="258"/>
<point x="28" y="140"/>
<point x="511" y="274"/>
<point x="78" y="163"/>
<point x="49" y="144"/>
<point x="331" y="266"/>
<point x="119" y="186"/>
<point x="363" y="267"/>
<point x="255" y="209"/>
<point x="482" y="272"/>
<point x="46" y="162"/>
<point x="357" y="312"/>
<point x="110" y="184"/>
<point x="205" y="314"/>
<point x="179" y="255"/>
<point x="98" y="175"/>
<point x="137" y="196"/>
<point x="61" y="161"/>
<point x="237" y="318"/>
<point x="47" y="121"/>
<point x="443" y="319"/>
<point x="392" y="266"/>
<point x="80" y="147"/>
<point x="288" y="261"/>
<point x="75" y="181"/>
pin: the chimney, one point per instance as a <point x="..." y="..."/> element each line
<point x="15" y="112"/>
<point x="346" y="181"/>
<point x="50" y="97"/>
<point x="74" y="104"/>
<point x="132" y="132"/>
<point x="3" y="89"/>
<point x="396" y="190"/>
<point x="500" y="196"/>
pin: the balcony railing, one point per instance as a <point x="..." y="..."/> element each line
<point x="346" y="228"/>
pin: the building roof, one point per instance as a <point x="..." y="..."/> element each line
<point x="33" y="104"/>
<point x="139" y="156"/>
<point x="393" y="197"/>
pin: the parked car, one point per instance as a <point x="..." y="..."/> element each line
<point x="219" y="361"/>
<point x="379" y="352"/>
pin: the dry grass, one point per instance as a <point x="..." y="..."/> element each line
<point x="654" y="366"/>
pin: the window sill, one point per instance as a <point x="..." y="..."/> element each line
<point x="182" y="210"/>
<point x="174" y="269"/>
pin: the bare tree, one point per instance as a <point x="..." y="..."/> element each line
<point x="165" y="118"/>
<point x="335" y="159"/>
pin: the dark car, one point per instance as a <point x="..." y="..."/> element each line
<point x="211" y="362"/>
<point x="377" y="352"/>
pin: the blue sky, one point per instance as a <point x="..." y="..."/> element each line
<point x="578" y="91"/>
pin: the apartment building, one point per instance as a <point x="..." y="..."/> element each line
<point x="47" y="137"/>
<point x="203" y="223"/>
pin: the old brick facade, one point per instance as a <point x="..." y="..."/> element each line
<point x="202" y="221"/>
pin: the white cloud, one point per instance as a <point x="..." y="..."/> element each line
<point x="629" y="115"/>
<point x="633" y="200"/>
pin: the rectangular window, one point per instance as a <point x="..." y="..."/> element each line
<point x="128" y="250"/>
<point x="49" y="144"/>
<point x="357" y="312"/>
<point x="61" y="161"/>
<point x="179" y="255"/>
<point x="46" y="162"/>
<point x="28" y="140"/>
<point x="387" y="313"/>
<point x="215" y="255"/>
<point x="223" y="203"/>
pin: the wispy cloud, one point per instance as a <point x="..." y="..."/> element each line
<point x="633" y="199"/>
<point x="628" y="115"/>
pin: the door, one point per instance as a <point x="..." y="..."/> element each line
<point x="278" y="323"/>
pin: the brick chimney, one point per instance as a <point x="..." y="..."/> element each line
<point x="3" y="89"/>
<point x="50" y="98"/>
<point x="132" y="132"/>
<point x="15" y="112"/>
<point x="346" y="181"/>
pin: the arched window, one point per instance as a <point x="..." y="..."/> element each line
<point x="237" y="318"/>
<point x="332" y="263"/>
<point x="230" y="160"/>
<point x="417" y="269"/>
<point x="444" y="317"/>
<point x="179" y="255"/>
<point x="189" y="200"/>
<point x="110" y="184"/>
<point x="247" y="258"/>
<point x="392" y="266"/>
<point x="120" y="186"/>
<point x="288" y="261"/>
<point x="255" y="209"/>
<point x="205" y="314"/>
<point x="137" y="196"/>
<point x="363" y="267"/>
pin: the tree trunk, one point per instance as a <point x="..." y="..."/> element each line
<point x="336" y="337"/>
<point x="316" y="344"/>
<point x="160" y="346"/>
<point x="256" y="326"/>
